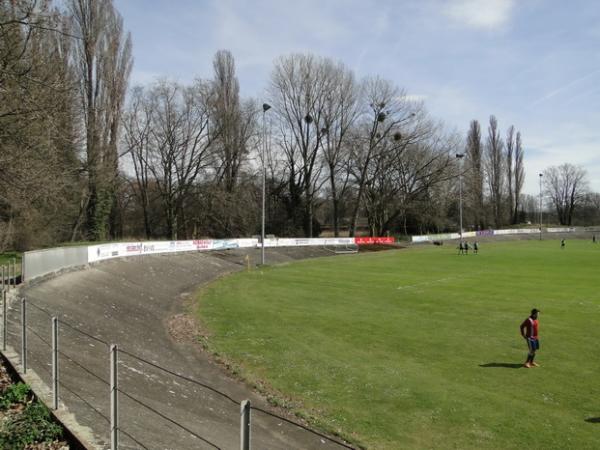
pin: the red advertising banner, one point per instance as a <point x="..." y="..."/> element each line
<point x="373" y="240"/>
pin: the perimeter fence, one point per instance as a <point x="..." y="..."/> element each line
<point x="115" y="390"/>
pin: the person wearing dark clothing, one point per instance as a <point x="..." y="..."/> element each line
<point x="562" y="244"/>
<point x="529" y="331"/>
<point x="475" y="247"/>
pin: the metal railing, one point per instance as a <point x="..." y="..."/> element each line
<point x="8" y="275"/>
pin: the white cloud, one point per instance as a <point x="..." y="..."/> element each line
<point x="481" y="14"/>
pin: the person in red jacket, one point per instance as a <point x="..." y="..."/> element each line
<point x="529" y="330"/>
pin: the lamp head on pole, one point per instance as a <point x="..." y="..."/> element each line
<point x="460" y="155"/>
<point x="266" y="107"/>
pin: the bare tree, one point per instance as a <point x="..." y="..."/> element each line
<point x="519" y="173"/>
<point x="510" y="150"/>
<point x="300" y="84"/>
<point x="474" y="174"/>
<point x="495" y="172"/>
<point x="235" y="121"/>
<point x="180" y="144"/>
<point x="406" y="173"/>
<point x="237" y="125"/>
<point x="340" y="111"/>
<point x="103" y="62"/>
<point x="385" y="113"/>
<point x="137" y="123"/>
<point x="566" y="185"/>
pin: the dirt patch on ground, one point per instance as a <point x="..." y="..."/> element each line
<point x="183" y="328"/>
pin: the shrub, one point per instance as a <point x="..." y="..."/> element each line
<point x="15" y="393"/>
<point x="31" y="424"/>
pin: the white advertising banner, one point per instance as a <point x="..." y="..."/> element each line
<point x="338" y="241"/>
<point x="246" y="243"/>
<point x="124" y="249"/>
<point x="517" y="231"/>
<point x="560" y="230"/>
<point x="301" y="242"/>
<point x="442" y="237"/>
<point x="150" y="248"/>
<point x="116" y="250"/>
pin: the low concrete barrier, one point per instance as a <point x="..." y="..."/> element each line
<point x="38" y="263"/>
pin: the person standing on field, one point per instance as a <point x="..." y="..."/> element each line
<point x="529" y="331"/>
<point x="562" y="244"/>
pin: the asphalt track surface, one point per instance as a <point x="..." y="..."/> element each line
<point x="140" y="304"/>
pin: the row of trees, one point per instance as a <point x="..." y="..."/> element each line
<point x="82" y="157"/>
<point x="496" y="168"/>
<point x="335" y="150"/>
<point x="63" y="81"/>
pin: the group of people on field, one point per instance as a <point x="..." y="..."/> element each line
<point x="464" y="247"/>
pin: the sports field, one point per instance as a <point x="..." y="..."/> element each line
<point x="420" y="348"/>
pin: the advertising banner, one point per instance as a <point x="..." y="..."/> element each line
<point x="116" y="250"/>
<point x="299" y="242"/>
<point x="560" y="230"/>
<point x="247" y="242"/>
<point x="504" y="232"/>
<point x="150" y="248"/>
<point x="339" y="241"/>
<point x="224" y="244"/>
<point x="373" y="240"/>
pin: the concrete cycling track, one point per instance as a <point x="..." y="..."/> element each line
<point x="140" y="304"/>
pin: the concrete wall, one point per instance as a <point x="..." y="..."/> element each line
<point x="38" y="263"/>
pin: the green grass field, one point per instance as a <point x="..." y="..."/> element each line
<point x="420" y="348"/>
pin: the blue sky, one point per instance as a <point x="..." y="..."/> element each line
<point x="534" y="64"/>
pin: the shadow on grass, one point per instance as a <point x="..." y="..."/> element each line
<point x="593" y="420"/>
<point x="503" y="365"/>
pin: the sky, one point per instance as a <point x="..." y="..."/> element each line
<point x="534" y="64"/>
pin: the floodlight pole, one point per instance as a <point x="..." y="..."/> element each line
<point x="459" y="156"/>
<point x="541" y="206"/>
<point x="265" y="107"/>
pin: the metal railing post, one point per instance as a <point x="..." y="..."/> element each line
<point x="4" y="320"/>
<point x="245" y="425"/>
<point x="23" y="335"/>
<point x="14" y="272"/>
<point x="114" y="405"/>
<point x="55" y="363"/>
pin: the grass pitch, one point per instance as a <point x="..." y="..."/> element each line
<point x="420" y="348"/>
